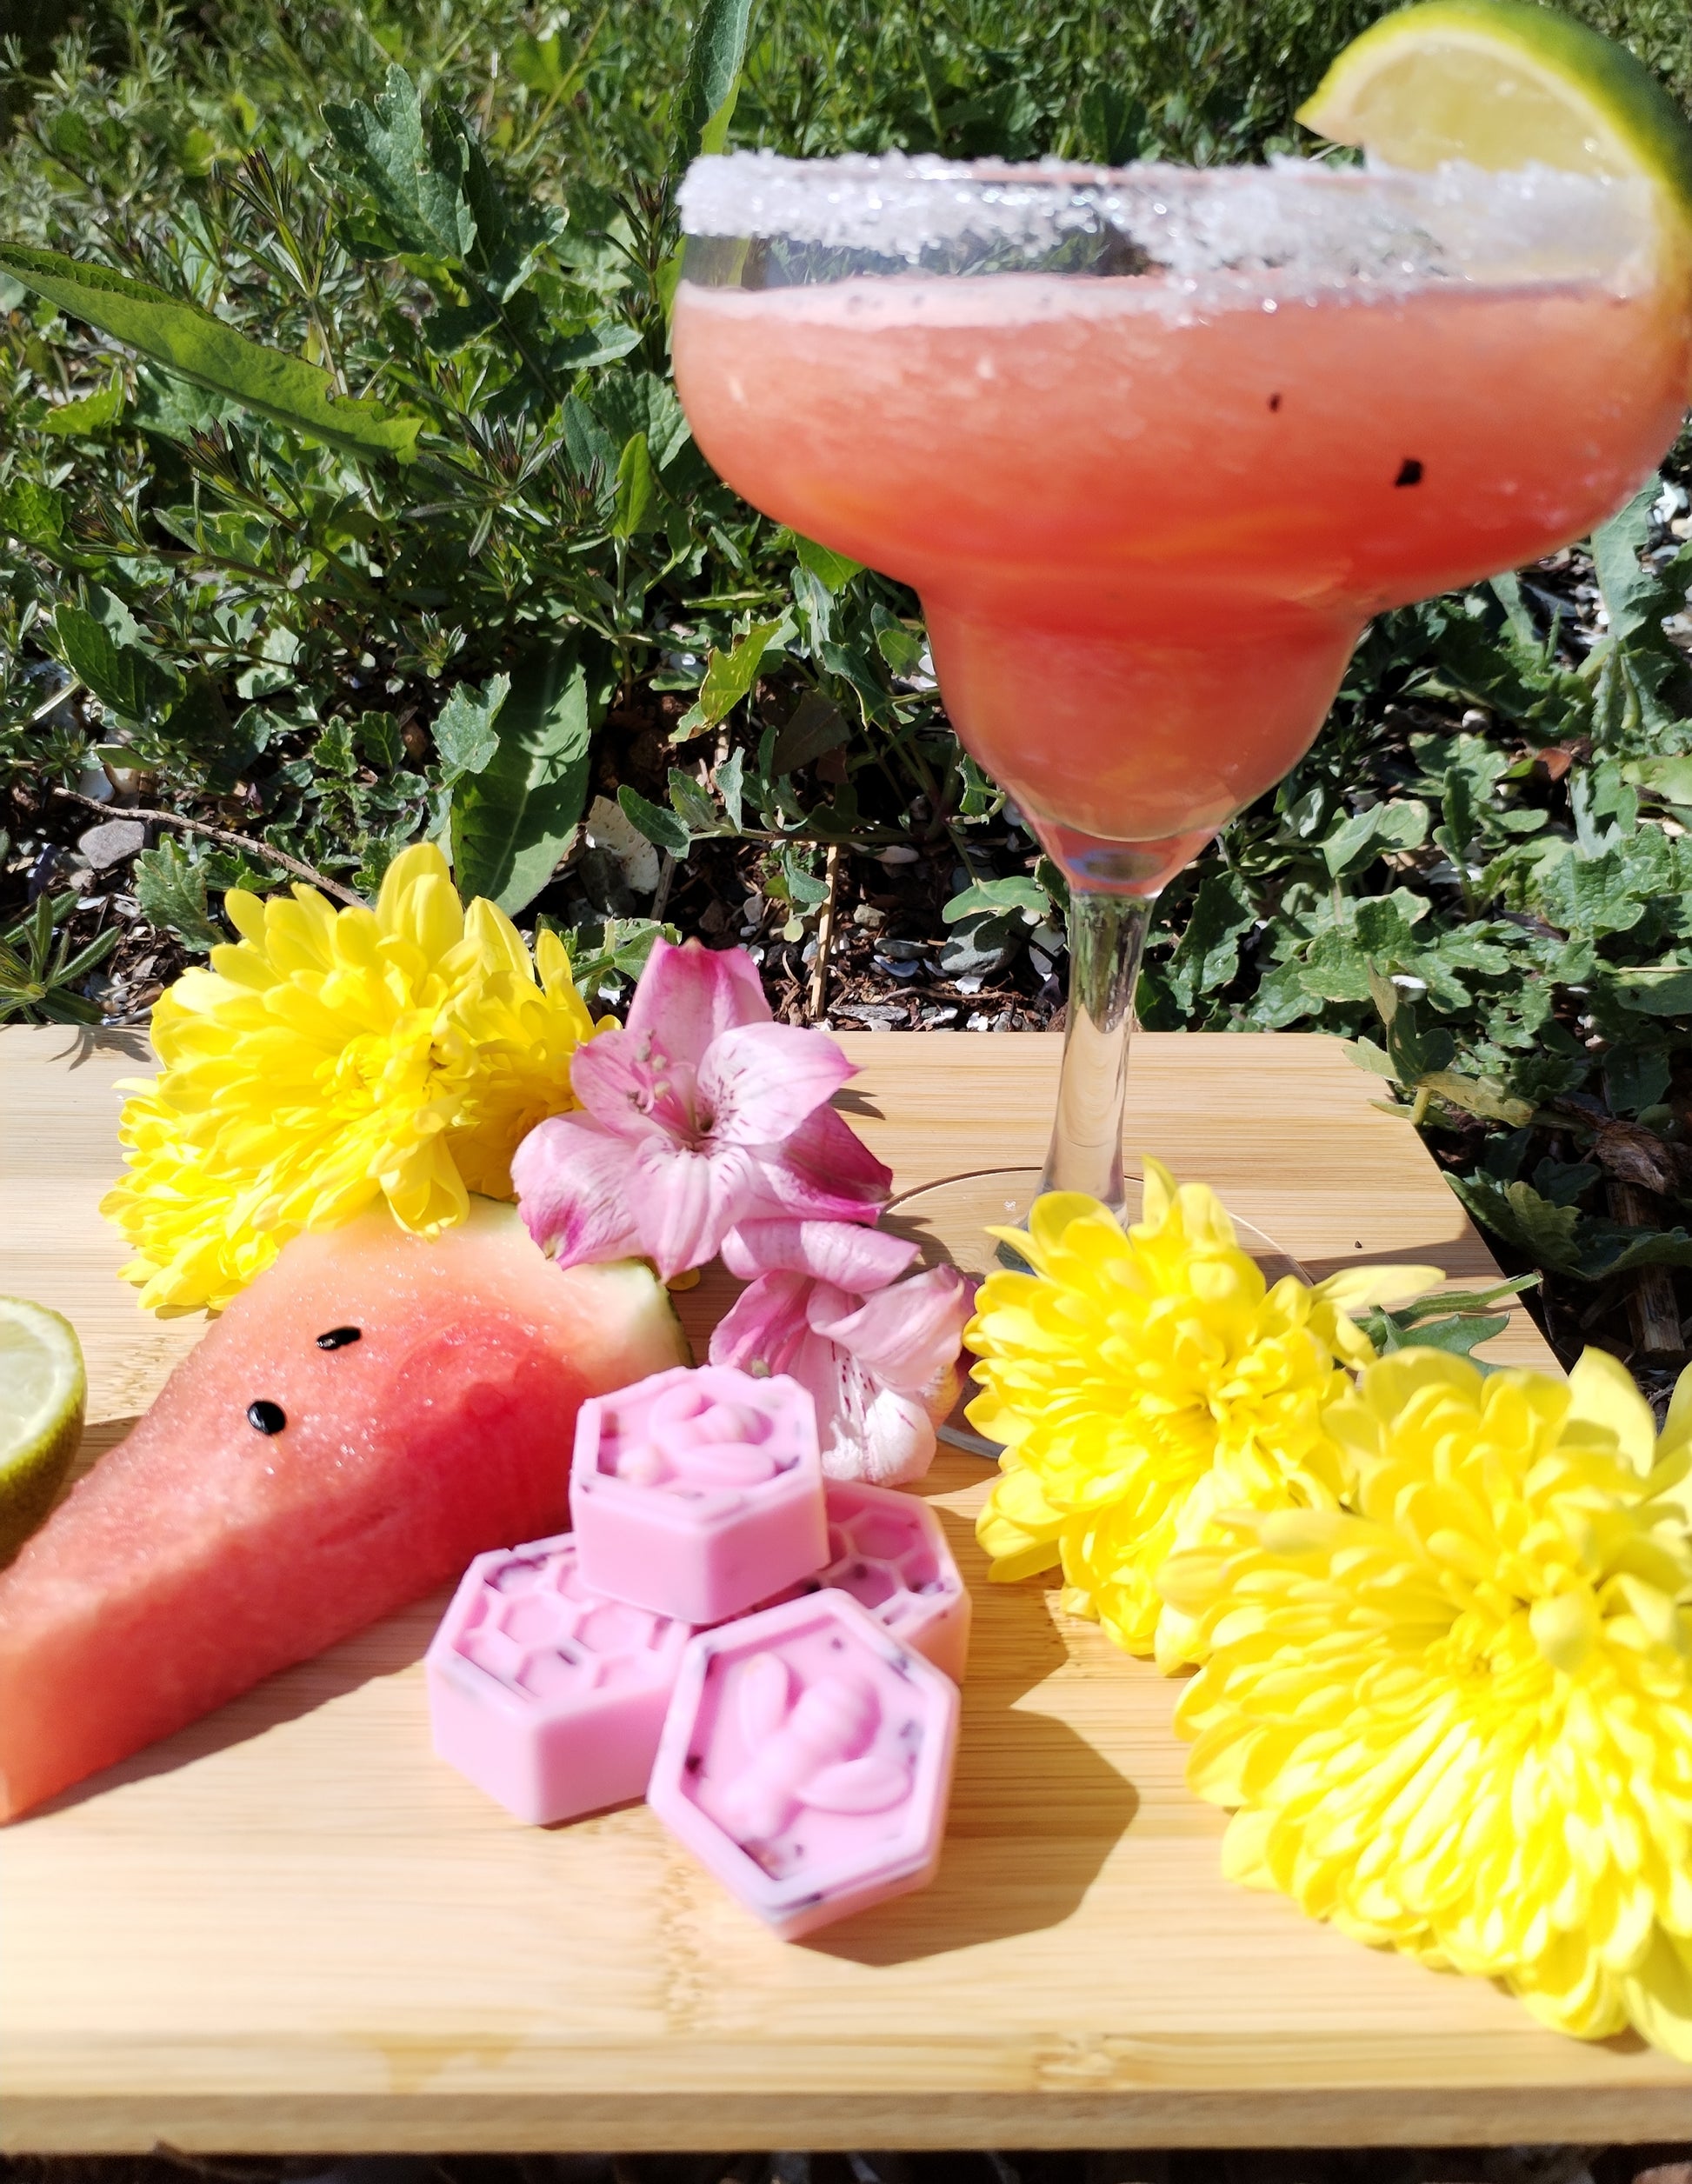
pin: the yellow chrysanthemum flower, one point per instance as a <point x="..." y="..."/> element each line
<point x="1459" y="1720"/>
<point x="1140" y="1382"/>
<point x="330" y="1058"/>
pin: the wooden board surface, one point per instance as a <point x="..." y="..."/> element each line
<point x="290" y="1928"/>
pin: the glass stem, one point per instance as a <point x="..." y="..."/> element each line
<point x="1107" y="933"/>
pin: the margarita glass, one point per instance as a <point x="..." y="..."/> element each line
<point x="1153" y="445"/>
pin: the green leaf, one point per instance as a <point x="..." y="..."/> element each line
<point x="89" y="415"/>
<point x="169" y="890"/>
<point x="1663" y="989"/>
<point x="1113" y="123"/>
<point x="663" y="829"/>
<point x="712" y="81"/>
<point x="1208" y="955"/>
<point x="729" y="677"/>
<point x="419" y="197"/>
<point x="1482" y="1096"/>
<point x="625" y="402"/>
<point x="730" y="786"/>
<point x="602" y="344"/>
<point x="832" y="571"/>
<point x="1667" y="778"/>
<point x="377" y="736"/>
<point x="1460" y="1333"/>
<point x="1412" y="1053"/>
<point x="33" y="513"/>
<point x="205" y="350"/>
<point x="691" y="805"/>
<point x="901" y="649"/>
<point x="1462" y="1301"/>
<point x="616" y="948"/>
<point x="995" y="897"/>
<point x="514" y="817"/>
<point x="464" y="733"/>
<point x="802" y="886"/>
<point x="1563" y="1237"/>
<point x="538" y="64"/>
<point x="1365" y="836"/>
<point x="816" y="724"/>
<point x="1635" y="1079"/>
<point x="1633" y="595"/>
<point x="138" y="686"/>
<point x="173" y="407"/>
<point x="332" y="753"/>
<point x="1363" y="1053"/>
<point x="636" y="490"/>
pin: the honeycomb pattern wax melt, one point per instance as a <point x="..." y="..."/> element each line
<point x="548" y="1696"/>
<point x="807" y="1761"/>
<point x="889" y="1551"/>
<point x="699" y="1494"/>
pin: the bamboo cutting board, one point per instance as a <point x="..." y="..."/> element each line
<point x="290" y="1928"/>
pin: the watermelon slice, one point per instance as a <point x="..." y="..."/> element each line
<point x="376" y="1409"/>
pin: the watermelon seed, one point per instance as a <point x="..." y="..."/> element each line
<point x="339" y="1337"/>
<point x="266" y="1418"/>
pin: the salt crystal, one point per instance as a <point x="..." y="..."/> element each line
<point x="1299" y="222"/>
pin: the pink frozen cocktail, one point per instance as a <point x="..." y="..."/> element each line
<point x="1154" y="445"/>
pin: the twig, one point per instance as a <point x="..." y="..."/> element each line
<point x="1651" y="1304"/>
<point x="666" y="881"/>
<point x="226" y="836"/>
<point x="819" y="970"/>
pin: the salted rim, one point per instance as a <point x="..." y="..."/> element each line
<point x="1291" y="215"/>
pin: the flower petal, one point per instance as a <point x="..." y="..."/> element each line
<point x="843" y="1253"/>
<point x="868" y="1430"/>
<point x="762" y="1327"/>
<point x="896" y="1443"/>
<point x="825" y="1171"/>
<point x="760" y="1080"/>
<point x="418" y="902"/>
<point x="909" y="1336"/>
<point x="632" y="1094"/>
<point x="684" y="1203"/>
<point x="688" y="996"/>
<point x="1608" y="1411"/>
<point x="575" y="1186"/>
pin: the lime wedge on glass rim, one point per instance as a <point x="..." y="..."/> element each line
<point x="43" y="1390"/>
<point x="1503" y="84"/>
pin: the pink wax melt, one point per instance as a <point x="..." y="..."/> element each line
<point x="887" y="1550"/>
<point x="547" y="1695"/>
<point x="807" y="1761"/>
<point x="698" y="1494"/>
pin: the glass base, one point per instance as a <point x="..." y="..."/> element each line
<point x="949" y="1222"/>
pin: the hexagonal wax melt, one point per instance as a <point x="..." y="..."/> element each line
<point x="887" y="1550"/>
<point x="807" y="1761"/>
<point x="547" y="1695"/>
<point x="698" y="1494"/>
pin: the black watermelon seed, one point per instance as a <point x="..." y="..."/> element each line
<point x="339" y="1337"/>
<point x="266" y="1418"/>
<point x="1409" y="472"/>
<point x="1275" y="402"/>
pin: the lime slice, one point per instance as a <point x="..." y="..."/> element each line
<point x="1503" y="84"/>
<point x="42" y="1391"/>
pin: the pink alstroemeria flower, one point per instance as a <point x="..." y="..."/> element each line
<point x="878" y="1355"/>
<point x="702" y="1113"/>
